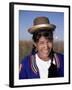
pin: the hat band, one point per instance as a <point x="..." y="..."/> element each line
<point x="42" y="26"/>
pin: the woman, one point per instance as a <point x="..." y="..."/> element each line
<point x="43" y="62"/>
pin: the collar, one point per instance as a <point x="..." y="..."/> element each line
<point x="34" y="65"/>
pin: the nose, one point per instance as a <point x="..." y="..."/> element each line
<point x="46" y="46"/>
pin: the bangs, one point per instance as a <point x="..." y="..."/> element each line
<point x="47" y="34"/>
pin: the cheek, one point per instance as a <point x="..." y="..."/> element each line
<point x="38" y="47"/>
<point x="50" y="45"/>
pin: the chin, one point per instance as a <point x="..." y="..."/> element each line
<point x="45" y="56"/>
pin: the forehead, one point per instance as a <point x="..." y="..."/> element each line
<point x="42" y="38"/>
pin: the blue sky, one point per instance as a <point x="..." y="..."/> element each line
<point x="26" y="21"/>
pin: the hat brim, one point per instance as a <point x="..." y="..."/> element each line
<point x="41" y="27"/>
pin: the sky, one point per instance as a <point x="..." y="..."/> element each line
<point x="26" y="21"/>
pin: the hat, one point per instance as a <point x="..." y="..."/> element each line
<point x="41" y="23"/>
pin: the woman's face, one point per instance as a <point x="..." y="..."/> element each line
<point x="44" y="47"/>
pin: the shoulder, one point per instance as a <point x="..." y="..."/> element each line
<point x="28" y="59"/>
<point x="24" y="63"/>
<point x="25" y="60"/>
<point x="59" y="59"/>
<point x="59" y="55"/>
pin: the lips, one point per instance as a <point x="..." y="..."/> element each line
<point x="46" y="51"/>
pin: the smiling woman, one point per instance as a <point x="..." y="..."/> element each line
<point x="43" y="62"/>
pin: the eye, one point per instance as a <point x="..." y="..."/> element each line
<point x="41" y="42"/>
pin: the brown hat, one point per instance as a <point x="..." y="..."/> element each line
<point x="41" y="23"/>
